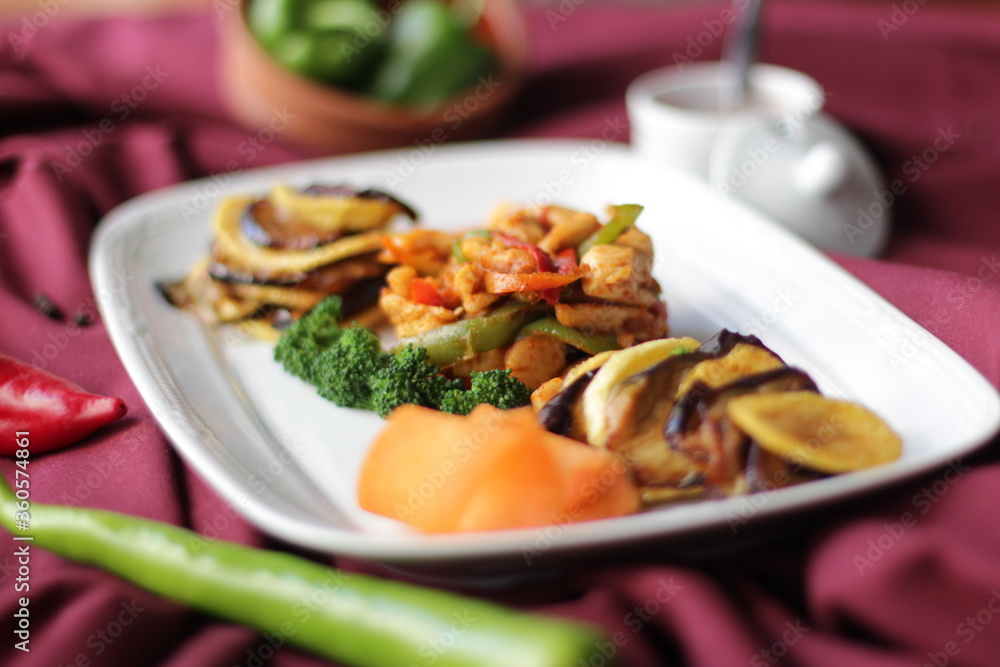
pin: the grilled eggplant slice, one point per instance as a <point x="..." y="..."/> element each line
<point x="698" y="424"/>
<point x="273" y="259"/>
<point x="725" y="340"/>
<point x="234" y="249"/>
<point x="635" y="413"/>
<point x="557" y="415"/>
<point x="260" y="225"/>
<point x="739" y="360"/>
<point x="618" y="367"/>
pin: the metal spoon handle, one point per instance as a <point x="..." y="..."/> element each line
<point x="740" y="51"/>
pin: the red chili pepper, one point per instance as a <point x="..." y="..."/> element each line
<point x="53" y="411"/>
<point x="424" y="292"/>
<point x="542" y="258"/>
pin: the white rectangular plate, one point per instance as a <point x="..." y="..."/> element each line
<point x="288" y="460"/>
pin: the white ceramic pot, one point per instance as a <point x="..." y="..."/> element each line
<point x="779" y="152"/>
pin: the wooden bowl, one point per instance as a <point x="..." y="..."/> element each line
<point x="262" y="94"/>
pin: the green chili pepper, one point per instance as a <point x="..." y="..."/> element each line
<point x="551" y="327"/>
<point x="351" y="618"/>
<point x="431" y="56"/>
<point x="624" y="216"/>
<point x="466" y="338"/>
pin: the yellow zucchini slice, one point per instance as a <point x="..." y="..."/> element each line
<point x="816" y="432"/>
<point x="329" y="213"/>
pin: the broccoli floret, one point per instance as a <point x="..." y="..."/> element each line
<point x="409" y="377"/>
<point x="350" y="368"/>
<point x="301" y="344"/>
<point x="343" y="373"/>
<point x="497" y="387"/>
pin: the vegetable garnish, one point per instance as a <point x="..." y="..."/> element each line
<point x="56" y="411"/>
<point x="350" y="368"/>
<point x="498" y="470"/>
<point x="354" y="619"/>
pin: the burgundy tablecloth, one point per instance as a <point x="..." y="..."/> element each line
<point x="95" y="112"/>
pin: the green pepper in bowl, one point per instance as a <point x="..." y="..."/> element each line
<point x="431" y="56"/>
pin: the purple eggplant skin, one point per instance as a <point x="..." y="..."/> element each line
<point x="171" y="292"/>
<point x="368" y="193"/>
<point x="699" y="427"/>
<point x="636" y="410"/>
<point x="767" y="472"/>
<point x="362" y="295"/>
<point x="259" y="226"/>
<point x="282" y="319"/>
<point x="695" y="406"/>
<point x="556" y="416"/>
<point x="683" y="411"/>
<point x="660" y="381"/>
<point x="222" y="273"/>
<point x="725" y="340"/>
<point x="251" y="227"/>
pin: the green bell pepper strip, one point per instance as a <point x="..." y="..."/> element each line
<point x="551" y="327"/>
<point x="431" y="55"/>
<point x="352" y="618"/>
<point x="466" y="338"/>
<point x="624" y="216"/>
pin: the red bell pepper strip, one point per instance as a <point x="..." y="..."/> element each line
<point x="565" y="261"/>
<point x="425" y="292"/>
<point x="542" y="259"/>
<point x="53" y="411"/>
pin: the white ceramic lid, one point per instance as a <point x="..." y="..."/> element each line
<point x="810" y="174"/>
